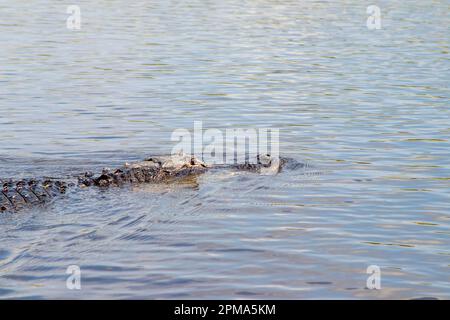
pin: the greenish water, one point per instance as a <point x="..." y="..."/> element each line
<point x="369" y="109"/>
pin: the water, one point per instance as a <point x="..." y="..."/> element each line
<point x="367" y="108"/>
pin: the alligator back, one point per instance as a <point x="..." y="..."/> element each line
<point x="18" y="194"/>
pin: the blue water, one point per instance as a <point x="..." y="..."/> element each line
<point x="368" y="110"/>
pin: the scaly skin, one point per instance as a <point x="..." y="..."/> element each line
<point x="18" y="194"/>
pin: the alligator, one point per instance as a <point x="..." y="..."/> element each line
<point x="28" y="192"/>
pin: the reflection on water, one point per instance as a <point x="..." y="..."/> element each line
<point x="367" y="107"/>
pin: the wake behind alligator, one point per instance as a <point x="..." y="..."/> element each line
<point x="18" y="194"/>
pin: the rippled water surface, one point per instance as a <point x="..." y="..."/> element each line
<point x="367" y="109"/>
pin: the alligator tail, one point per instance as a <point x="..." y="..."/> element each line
<point x="18" y="194"/>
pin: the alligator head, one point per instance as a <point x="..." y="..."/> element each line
<point x="269" y="165"/>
